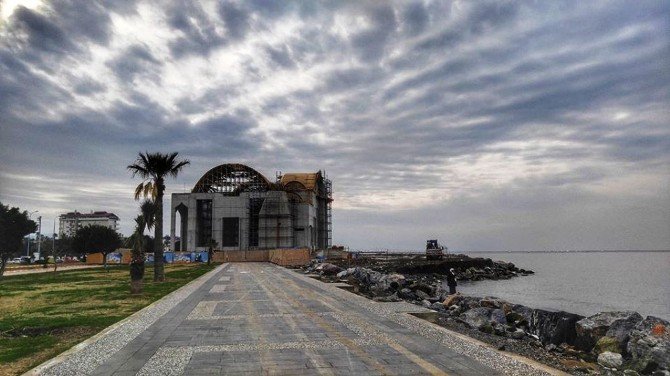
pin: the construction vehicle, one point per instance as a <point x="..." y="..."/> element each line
<point x="434" y="251"/>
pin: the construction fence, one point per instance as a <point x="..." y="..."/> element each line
<point x="283" y="257"/>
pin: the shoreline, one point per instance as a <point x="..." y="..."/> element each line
<point x="564" y="340"/>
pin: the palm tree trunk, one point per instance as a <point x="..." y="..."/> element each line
<point x="3" y="263"/>
<point x="137" y="265"/>
<point x="159" y="271"/>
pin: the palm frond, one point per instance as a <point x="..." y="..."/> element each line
<point x="138" y="190"/>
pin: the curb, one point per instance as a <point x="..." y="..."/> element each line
<point x="37" y="370"/>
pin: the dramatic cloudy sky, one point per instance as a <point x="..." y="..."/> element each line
<point x="527" y="125"/>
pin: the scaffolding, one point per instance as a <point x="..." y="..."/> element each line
<point x="329" y="211"/>
<point x="294" y="210"/>
<point x="231" y="179"/>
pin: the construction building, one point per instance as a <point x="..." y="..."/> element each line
<point x="240" y="209"/>
<point x="69" y="223"/>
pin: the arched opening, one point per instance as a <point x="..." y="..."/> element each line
<point x="182" y="211"/>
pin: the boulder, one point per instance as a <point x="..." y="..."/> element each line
<point x="518" y="334"/>
<point x="607" y="344"/>
<point x="437" y="306"/>
<point x="490" y="303"/>
<point x="649" y="346"/>
<point x="328" y="269"/>
<point x="498" y="317"/>
<point x="422" y="295"/>
<point x="451" y="300"/>
<point x="477" y="317"/>
<point x="610" y="360"/>
<point x="549" y="327"/>
<point x="418" y="286"/>
<point x="407" y="294"/>
<point x="589" y="330"/>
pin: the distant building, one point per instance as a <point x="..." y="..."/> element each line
<point x="69" y="223"/>
<point x="240" y="209"/>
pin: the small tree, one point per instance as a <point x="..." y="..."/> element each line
<point x="138" y="243"/>
<point x="14" y="225"/>
<point x="94" y="238"/>
<point x="210" y="250"/>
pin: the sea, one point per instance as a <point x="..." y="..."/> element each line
<point x="583" y="282"/>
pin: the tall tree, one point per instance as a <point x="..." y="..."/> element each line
<point x="96" y="238"/>
<point x="14" y="225"/>
<point x="153" y="168"/>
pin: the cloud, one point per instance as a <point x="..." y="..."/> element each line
<point x="136" y="61"/>
<point x="507" y="125"/>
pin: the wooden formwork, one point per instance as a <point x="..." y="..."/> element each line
<point x="241" y="256"/>
<point x="283" y="257"/>
<point x="290" y="257"/>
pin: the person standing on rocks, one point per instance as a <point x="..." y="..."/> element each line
<point x="451" y="281"/>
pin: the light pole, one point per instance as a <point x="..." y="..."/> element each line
<point x="28" y="246"/>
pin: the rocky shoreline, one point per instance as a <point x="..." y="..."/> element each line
<point x="605" y="343"/>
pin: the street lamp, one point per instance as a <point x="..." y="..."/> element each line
<point x="28" y="247"/>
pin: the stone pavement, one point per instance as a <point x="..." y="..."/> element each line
<point x="261" y="319"/>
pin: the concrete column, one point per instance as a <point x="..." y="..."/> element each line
<point x="172" y="225"/>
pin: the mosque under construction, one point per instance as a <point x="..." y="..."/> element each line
<point x="240" y="209"/>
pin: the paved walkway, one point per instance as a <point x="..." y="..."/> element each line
<point x="260" y="319"/>
<point x="49" y="269"/>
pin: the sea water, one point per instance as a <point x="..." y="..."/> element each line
<point x="583" y="282"/>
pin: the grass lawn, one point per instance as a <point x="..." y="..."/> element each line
<point x="42" y="315"/>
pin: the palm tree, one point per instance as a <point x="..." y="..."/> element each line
<point x="153" y="168"/>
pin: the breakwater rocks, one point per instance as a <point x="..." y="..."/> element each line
<point x="467" y="268"/>
<point x="618" y="341"/>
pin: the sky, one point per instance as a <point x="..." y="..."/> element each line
<point x="489" y="125"/>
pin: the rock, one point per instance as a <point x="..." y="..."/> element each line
<point x="550" y="347"/>
<point x="499" y="330"/>
<point x="422" y="287"/>
<point x="407" y="294"/>
<point x="607" y="344"/>
<point x="487" y="328"/>
<point x="498" y="317"/>
<point x="477" y="317"/>
<point x="437" y="307"/>
<point x="610" y="360"/>
<point x="451" y="300"/>
<point x="422" y="295"/>
<point x="516" y="319"/>
<point x="490" y="303"/>
<point x="630" y="372"/>
<point x="425" y="303"/>
<point x="328" y="269"/>
<point x="649" y="347"/>
<point x="518" y="334"/>
<point x="549" y="327"/>
<point x="590" y="329"/>
<point x="507" y="308"/>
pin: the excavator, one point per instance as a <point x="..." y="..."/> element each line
<point x="434" y="251"/>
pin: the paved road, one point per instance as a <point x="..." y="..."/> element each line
<point x="261" y="319"/>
